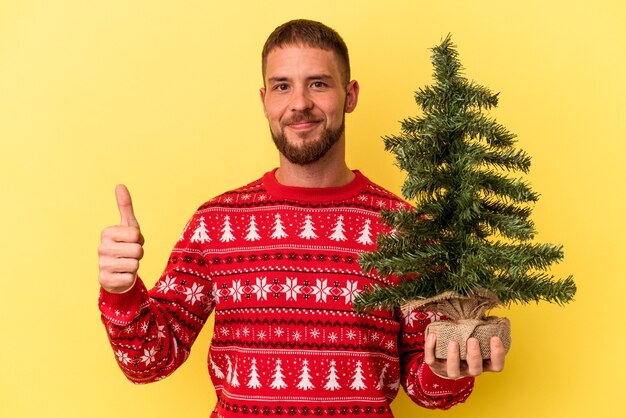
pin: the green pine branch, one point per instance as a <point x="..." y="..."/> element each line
<point x="535" y="287"/>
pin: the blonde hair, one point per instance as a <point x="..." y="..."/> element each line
<point x="308" y="33"/>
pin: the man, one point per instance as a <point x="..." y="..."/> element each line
<point x="276" y="260"/>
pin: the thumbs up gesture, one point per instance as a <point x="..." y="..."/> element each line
<point x="121" y="247"/>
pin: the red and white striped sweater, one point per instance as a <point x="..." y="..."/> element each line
<point x="278" y="266"/>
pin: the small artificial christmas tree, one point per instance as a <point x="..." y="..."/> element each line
<point x="466" y="247"/>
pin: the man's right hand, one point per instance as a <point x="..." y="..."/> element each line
<point x="121" y="247"/>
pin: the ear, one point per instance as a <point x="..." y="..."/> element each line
<point x="352" y="96"/>
<point x="262" y="95"/>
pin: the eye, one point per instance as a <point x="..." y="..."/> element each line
<point x="281" y="87"/>
<point x="318" y="84"/>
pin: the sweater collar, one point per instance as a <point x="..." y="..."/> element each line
<point x="314" y="194"/>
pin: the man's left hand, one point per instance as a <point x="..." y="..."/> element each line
<point x="453" y="367"/>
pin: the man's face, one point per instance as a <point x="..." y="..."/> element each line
<point x="305" y="99"/>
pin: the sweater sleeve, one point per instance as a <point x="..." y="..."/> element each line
<point x="422" y="385"/>
<point x="151" y="331"/>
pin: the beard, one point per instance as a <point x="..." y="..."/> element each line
<point x="310" y="151"/>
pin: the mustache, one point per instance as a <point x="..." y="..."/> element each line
<point x="301" y="117"/>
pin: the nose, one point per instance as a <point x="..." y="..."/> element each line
<point x="301" y="100"/>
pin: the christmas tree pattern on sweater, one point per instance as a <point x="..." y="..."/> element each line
<point x="278" y="268"/>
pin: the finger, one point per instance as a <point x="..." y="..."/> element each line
<point x="119" y="233"/>
<point x="453" y="365"/>
<point x="429" y="349"/>
<point x="120" y="250"/>
<point x="498" y="353"/>
<point x="125" y="206"/>
<point x="117" y="282"/>
<point x="118" y="265"/>
<point x="436" y="365"/>
<point x="474" y="358"/>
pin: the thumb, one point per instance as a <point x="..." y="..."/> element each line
<point x="125" y="206"/>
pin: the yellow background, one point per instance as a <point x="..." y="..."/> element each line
<point x="163" y="96"/>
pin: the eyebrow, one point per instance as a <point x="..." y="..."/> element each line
<point x="309" y="78"/>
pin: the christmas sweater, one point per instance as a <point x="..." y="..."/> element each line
<point x="277" y="266"/>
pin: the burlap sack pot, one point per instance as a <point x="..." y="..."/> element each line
<point x="463" y="329"/>
<point x="465" y="319"/>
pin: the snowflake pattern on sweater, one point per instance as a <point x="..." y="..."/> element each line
<point x="278" y="267"/>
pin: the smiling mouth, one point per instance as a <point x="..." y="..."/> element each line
<point x="303" y="125"/>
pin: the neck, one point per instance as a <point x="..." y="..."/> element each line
<point x="329" y="171"/>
